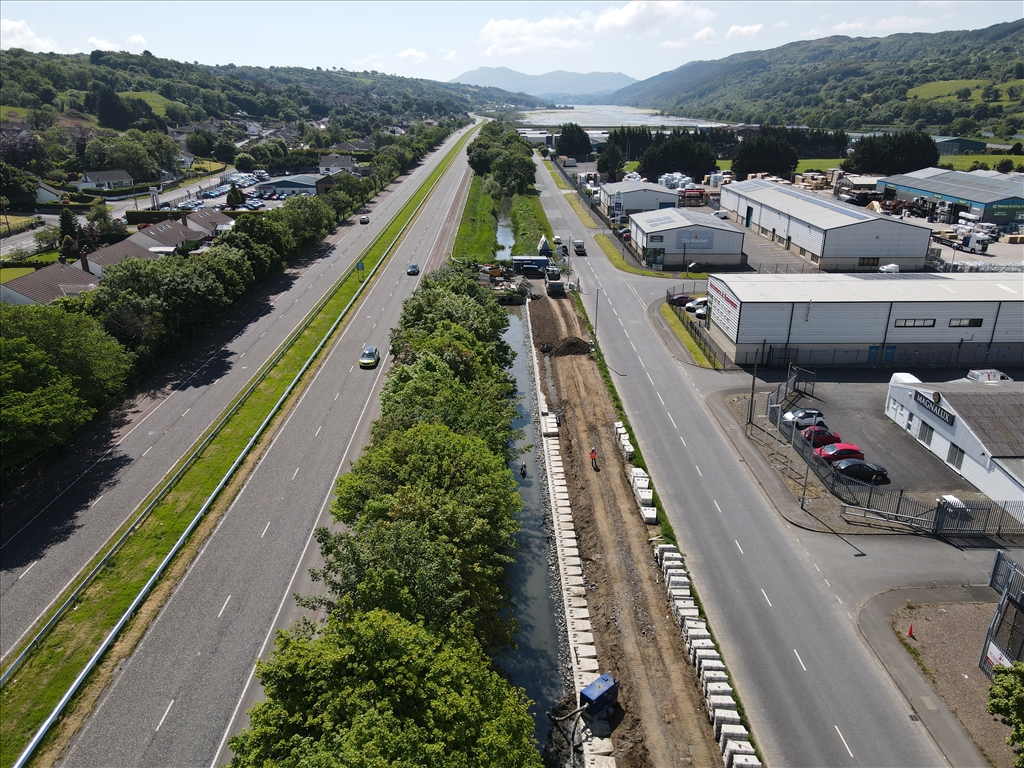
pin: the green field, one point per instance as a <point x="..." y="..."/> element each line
<point x="945" y="90"/>
<point x="155" y="100"/>
<point x="9" y="273"/>
<point x="477" y="239"/>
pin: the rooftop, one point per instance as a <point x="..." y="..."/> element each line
<point x="977" y="187"/>
<point x="637" y="186"/>
<point x="674" y="218"/>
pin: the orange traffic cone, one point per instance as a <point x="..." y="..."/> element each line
<point x="910" y="632"/>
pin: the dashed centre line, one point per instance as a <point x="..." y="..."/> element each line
<point x="165" y="714"/>
<point x="800" y="660"/>
<point x="225" y="604"/>
<point x="766" y="599"/>
<point x="739" y="547"/>
<point x="844" y="741"/>
<point x="265" y="530"/>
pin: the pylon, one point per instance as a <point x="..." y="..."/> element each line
<point x="910" y="632"/>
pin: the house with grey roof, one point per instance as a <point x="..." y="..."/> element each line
<point x="105" y="180"/>
<point x="46" y="284"/>
<point x="167" y="236"/>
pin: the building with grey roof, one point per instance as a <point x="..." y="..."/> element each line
<point x="98" y="262"/>
<point x="166" y="235"/>
<point x="625" y="198"/>
<point x="901" y="320"/>
<point x="673" y="238"/>
<point x="292" y="185"/>
<point x="835" y="236"/>
<point x="973" y="426"/>
<point x="46" y="284"/>
<point x="996" y="198"/>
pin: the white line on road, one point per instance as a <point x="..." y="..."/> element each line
<point x="28" y="569"/>
<point x="296" y="472"/>
<point x="226" y="602"/>
<point x="672" y="420"/>
<point x="698" y="470"/>
<point x="97" y="501"/>
<point x="838" y="598"/>
<point x="147" y="450"/>
<point x="717" y="507"/>
<point x="186" y="412"/>
<point x="660" y="398"/>
<point x="844" y="741"/>
<point x="829" y="585"/>
<point x="165" y="715"/>
<point x="684" y="442"/>
<point x="816" y="567"/>
<point x="265" y="530"/>
<point x="318" y="430"/>
<point x="799" y="659"/>
<point x="650" y="379"/>
<point x="642" y="363"/>
<point x="339" y="394"/>
<point x="633" y="346"/>
<point x="263" y="334"/>
<point x="739" y="547"/>
<point x="766" y="598"/>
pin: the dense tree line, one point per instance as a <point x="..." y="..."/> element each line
<point x="504" y="157"/>
<point x="892" y="153"/>
<point x="766" y="151"/>
<point x="677" y="151"/>
<point x="415" y="592"/>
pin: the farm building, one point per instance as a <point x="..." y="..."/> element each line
<point x="835" y="236"/>
<point x="673" y="238"/>
<point x="957" y="145"/>
<point x="878" y="320"/>
<point x="996" y="198"/>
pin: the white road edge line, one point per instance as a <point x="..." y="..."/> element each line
<point x="169" y="709"/>
<point x="225" y="604"/>
<point x="844" y="741"/>
<point x="28" y="569"/>
<point x="766" y="598"/>
<point x="804" y="668"/>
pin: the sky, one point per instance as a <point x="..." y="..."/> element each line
<point x="441" y="40"/>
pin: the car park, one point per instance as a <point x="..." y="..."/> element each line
<point x="412" y="269"/>
<point x="804" y="417"/>
<point x="838" y="452"/>
<point x="820" y="436"/>
<point x="679" y="299"/>
<point x="861" y="470"/>
<point x="370" y="357"/>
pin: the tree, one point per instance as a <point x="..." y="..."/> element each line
<point x="990" y="93"/>
<point x="610" y="161"/>
<point x="68" y="224"/>
<point x="677" y="152"/>
<point x="1014" y="92"/>
<point x="514" y="172"/>
<point x="767" y="151"/>
<point x="377" y="690"/>
<point x="19" y="188"/>
<point x="223" y="150"/>
<point x="892" y="153"/>
<point x="1004" y="166"/>
<point x="963" y="94"/>
<point x="245" y="162"/>
<point x="200" y="143"/>
<point x="1006" y="699"/>
<point x="235" y="197"/>
<point x="573" y="141"/>
<point x="47" y="238"/>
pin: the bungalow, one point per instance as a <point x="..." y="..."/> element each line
<point x="46" y="284"/>
<point x="105" y="180"/>
<point x="211" y="223"/>
<point x="167" y="235"/>
<point x="333" y="163"/>
<point x="47" y="194"/>
<point x="362" y="145"/>
<point x="98" y="262"/>
<point x="186" y="159"/>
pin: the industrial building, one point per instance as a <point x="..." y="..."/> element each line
<point x="993" y="197"/>
<point x="673" y="238"/>
<point x="918" y="320"/>
<point x="973" y="426"/>
<point x="624" y="198"/>
<point x="292" y="185"/>
<point x="958" y="145"/>
<point x="835" y="236"/>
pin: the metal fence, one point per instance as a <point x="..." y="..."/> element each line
<point x="1004" y="641"/>
<point x="699" y="336"/>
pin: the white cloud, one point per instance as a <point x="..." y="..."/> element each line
<point x="781" y="24"/>
<point x="452" y="56"/>
<point x="900" y="23"/>
<point x="642" y="16"/>
<point x="17" y="34"/>
<point x="517" y="36"/>
<point x="849" y="26"/>
<point x="101" y="45"/>
<point x="137" y="40"/>
<point x="708" y="33"/>
<point x="413" y="54"/>
<point x="672" y="44"/>
<point x="752" y="30"/>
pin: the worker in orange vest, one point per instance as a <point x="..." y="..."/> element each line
<point x="593" y="457"/>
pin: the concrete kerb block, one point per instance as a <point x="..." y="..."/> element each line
<point x="746" y="761"/>
<point x="719" y="702"/>
<point x="709" y="676"/>
<point x="712" y="689"/>
<point x="660" y="550"/>
<point x="732" y="732"/>
<point x="722" y="717"/>
<point x="700" y="655"/>
<point x="734" y="748"/>
<point x="703" y="644"/>
<point x="599" y="761"/>
<point x="709" y="663"/>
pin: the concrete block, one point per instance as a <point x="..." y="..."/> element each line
<point x="716" y="689"/>
<point x="713" y="676"/>
<point x="700" y="655"/>
<point x="579" y="625"/>
<point x="722" y="717"/>
<point x="710" y="663"/>
<point x="733" y="748"/>
<point x="700" y="645"/>
<point x="746" y="761"/>
<point x="649" y="515"/>
<point x="732" y="732"/>
<point x="719" y="702"/>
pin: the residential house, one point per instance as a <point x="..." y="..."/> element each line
<point x="104" y="180"/>
<point x="211" y="223"/>
<point x="46" y="284"/>
<point x="167" y="236"/>
<point x="98" y="262"/>
<point x="335" y="163"/>
<point x="47" y="194"/>
<point x="186" y="159"/>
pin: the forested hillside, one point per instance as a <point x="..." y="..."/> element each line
<point x="856" y="83"/>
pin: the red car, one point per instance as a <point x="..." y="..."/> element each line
<point x="839" y="451"/>
<point x="820" y="436"/>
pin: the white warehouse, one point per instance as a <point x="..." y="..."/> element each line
<point x="972" y="426"/>
<point x="624" y="198"/>
<point x="880" y="320"/>
<point x="673" y="238"/>
<point x="835" y="236"/>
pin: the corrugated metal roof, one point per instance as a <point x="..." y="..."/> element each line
<point x="675" y="218"/>
<point x="875" y="287"/>
<point x="1013" y="467"/>
<point x="977" y="188"/>
<point x="814" y="209"/>
<point x="637" y="186"/>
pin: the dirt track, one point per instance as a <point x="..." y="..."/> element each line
<point x="664" y="723"/>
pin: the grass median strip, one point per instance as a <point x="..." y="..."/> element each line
<point x="49" y="671"/>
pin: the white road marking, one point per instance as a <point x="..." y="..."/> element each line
<point x="717" y="507"/>
<point x="225" y="605"/>
<point x="339" y="394"/>
<point x="633" y="346"/>
<point x="840" y="601"/>
<point x="97" y="501"/>
<point x="739" y="547"/>
<point x="318" y="430"/>
<point x="684" y="442"/>
<point x="800" y="660"/>
<point x="296" y="472"/>
<point x="698" y="470"/>
<point x="829" y="585"/>
<point x="147" y="450"/>
<point x="642" y="363"/>
<point x="766" y="598"/>
<point x="28" y="569"/>
<point x="816" y="567"/>
<point x="659" y="397"/>
<point x="186" y="412"/>
<point x="672" y="420"/>
<point x="265" y="530"/>
<point x="844" y="741"/>
<point x="650" y="379"/>
<point x="263" y="334"/>
<point x="165" y="714"/>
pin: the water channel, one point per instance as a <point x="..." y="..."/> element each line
<point x="535" y="664"/>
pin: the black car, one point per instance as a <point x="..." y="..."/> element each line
<point x="861" y="470"/>
<point x="412" y="269"/>
<point x="679" y="300"/>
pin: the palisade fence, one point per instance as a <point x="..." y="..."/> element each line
<point x="943" y="517"/>
<point x="699" y="336"/>
<point x="1004" y="642"/>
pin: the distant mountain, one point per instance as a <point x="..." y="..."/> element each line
<point x="844" y="82"/>
<point x="553" y="86"/>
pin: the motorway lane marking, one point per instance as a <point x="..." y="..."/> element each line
<point x="840" y="601"/>
<point x="633" y="346"/>
<point x="620" y="322"/>
<point x="717" y="507"/>
<point x="97" y="501"/>
<point x="147" y="450"/>
<point x="829" y="585"/>
<point x="799" y="659"/>
<point x="28" y="569"/>
<point x="672" y="420"/>
<point x="186" y="412"/>
<point x="739" y="547"/>
<point x="263" y="334"/>
<point x="226" y="602"/>
<point x="318" y="430"/>
<point x="844" y="741"/>
<point x="698" y="470"/>
<point x="816" y="567"/>
<point x="165" y="714"/>
<point x="684" y="444"/>
<point x="650" y="379"/>
<point x="339" y="394"/>
<point x="265" y="530"/>
<point x="295" y="473"/>
<point x="641" y="362"/>
<point x="766" y="598"/>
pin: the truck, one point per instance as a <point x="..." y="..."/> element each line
<point x="579" y="247"/>
<point x="553" y="281"/>
<point x="530" y="266"/>
<point x="973" y="243"/>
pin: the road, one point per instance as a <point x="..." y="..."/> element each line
<point x="176" y="700"/>
<point x="48" y="537"/>
<point x="812" y="690"/>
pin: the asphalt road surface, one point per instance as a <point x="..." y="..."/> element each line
<point x="813" y="692"/>
<point x="180" y="696"/>
<point x="64" y="516"/>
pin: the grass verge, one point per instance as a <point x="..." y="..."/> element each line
<point x="582" y="212"/>
<point x="50" y="670"/>
<point x="477" y="240"/>
<point x="529" y="222"/>
<point x="559" y="181"/>
<point x="14" y="224"/>
<point x="620" y="263"/>
<point x="683" y="335"/>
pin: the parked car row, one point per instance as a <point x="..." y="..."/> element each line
<point x="698" y="306"/>
<point x="845" y="458"/>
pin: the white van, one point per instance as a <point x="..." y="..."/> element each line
<point x="889" y="268"/>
